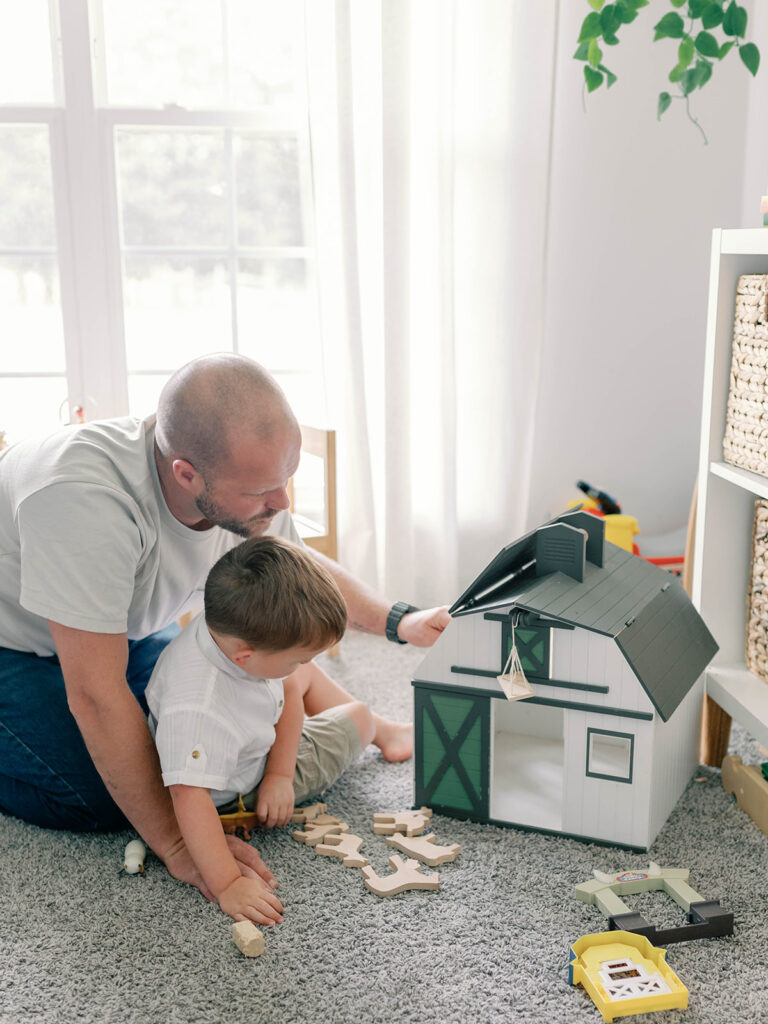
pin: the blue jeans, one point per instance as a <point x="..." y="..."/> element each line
<point x="47" y="776"/>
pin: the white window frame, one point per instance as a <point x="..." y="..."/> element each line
<point x="89" y="249"/>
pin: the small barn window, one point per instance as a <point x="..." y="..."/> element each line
<point x="610" y="755"/>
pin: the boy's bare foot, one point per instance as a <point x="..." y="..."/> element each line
<point x="394" y="739"/>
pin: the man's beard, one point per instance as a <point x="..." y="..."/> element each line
<point x="242" y="528"/>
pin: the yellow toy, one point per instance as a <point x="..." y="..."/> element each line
<point x="624" y="974"/>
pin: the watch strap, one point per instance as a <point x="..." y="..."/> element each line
<point x="396" y="612"/>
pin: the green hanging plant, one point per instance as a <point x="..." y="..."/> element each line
<point x="698" y="43"/>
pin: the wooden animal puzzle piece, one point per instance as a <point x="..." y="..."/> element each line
<point x="409" y="822"/>
<point x="345" y="846"/>
<point x="248" y="939"/>
<point x="406" y="875"/>
<point x="301" y="815"/>
<point x="315" y="831"/>
<point x="424" y="848"/>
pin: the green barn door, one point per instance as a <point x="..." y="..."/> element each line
<point x="452" y="752"/>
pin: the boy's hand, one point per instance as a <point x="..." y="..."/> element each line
<point x="251" y="899"/>
<point x="274" y="800"/>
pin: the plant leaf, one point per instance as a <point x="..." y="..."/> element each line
<point x="677" y="3"/>
<point x="707" y="45"/>
<point x="676" y="73"/>
<point x="596" y="4"/>
<point x="712" y="16"/>
<point x="671" y="26"/>
<point x="611" y="40"/>
<point x="685" y="52"/>
<point x="625" y="12"/>
<point x="594" y="79"/>
<point x="697" y="7"/>
<point x="664" y="101"/>
<point x="689" y="81"/>
<point x="735" y="20"/>
<point x="750" y="56"/>
<point x="726" y="48"/>
<point x="703" y="72"/>
<point x="590" y="28"/>
<point x="582" y="52"/>
<point x="594" y="54"/>
<point x="610" y="20"/>
<point x="610" y="78"/>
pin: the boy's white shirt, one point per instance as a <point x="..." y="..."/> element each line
<point x="213" y="723"/>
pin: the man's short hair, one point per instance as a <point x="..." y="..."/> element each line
<point x="273" y="595"/>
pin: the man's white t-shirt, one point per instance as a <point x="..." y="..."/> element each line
<point x="87" y="540"/>
<point x="213" y="723"/>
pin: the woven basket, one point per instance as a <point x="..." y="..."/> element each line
<point x="757" y="595"/>
<point x="746" y="422"/>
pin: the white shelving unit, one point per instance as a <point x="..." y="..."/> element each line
<point x="726" y="497"/>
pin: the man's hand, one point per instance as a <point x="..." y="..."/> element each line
<point x="274" y="800"/>
<point x="179" y="863"/>
<point x="252" y="900"/>
<point x="422" y="628"/>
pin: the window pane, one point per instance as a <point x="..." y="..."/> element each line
<point x="26" y="210"/>
<point x="610" y="755"/>
<point x="31" y="405"/>
<point x="161" y="52"/>
<point x="263" y="37"/>
<point x="175" y="310"/>
<point x="30" y="315"/>
<point x="144" y="391"/>
<point x="268" y="191"/>
<point x="172" y="187"/>
<point x="26" y="71"/>
<point x="277" y="314"/>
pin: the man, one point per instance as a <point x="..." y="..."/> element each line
<point x="107" y="532"/>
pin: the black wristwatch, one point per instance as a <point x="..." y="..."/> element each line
<point x="396" y="612"/>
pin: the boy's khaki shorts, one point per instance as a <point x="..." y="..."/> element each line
<point x="329" y="744"/>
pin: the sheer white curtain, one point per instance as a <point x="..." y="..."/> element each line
<point x="430" y="133"/>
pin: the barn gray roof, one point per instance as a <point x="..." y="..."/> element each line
<point x="643" y="608"/>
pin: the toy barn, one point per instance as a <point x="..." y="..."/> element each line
<point x="614" y="651"/>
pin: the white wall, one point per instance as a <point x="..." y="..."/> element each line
<point x="633" y="202"/>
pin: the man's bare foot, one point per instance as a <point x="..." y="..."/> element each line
<point x="394" y="739"/>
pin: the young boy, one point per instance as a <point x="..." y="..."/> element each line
<point x="227" y="701"/>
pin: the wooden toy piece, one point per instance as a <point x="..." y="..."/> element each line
<point x="424" y="848"/>
<point x="750" y="788"/>
<point x="301" y="815"/>
<point x="407" y="875"/>
<point x="409" y="822"/>
<point x="315" y="833"/>
<point x="240" y="820"/>
<point x="248" y="939"/>
<point x="345" y="846"/>
<point x="133" y="858"/>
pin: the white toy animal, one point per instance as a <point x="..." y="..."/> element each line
<point x="134" y="855"/>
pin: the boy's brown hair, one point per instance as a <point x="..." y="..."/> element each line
<point x="274" y="595"/>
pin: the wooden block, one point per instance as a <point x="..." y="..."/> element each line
<point x="424" y="848"/>
<point x="409" y="822"/>
<point x="248" y="938"/>
<point x="314" y="833"/>
<point x="301" y="815"/>
<point x="406" y="875"/>
<point x="345" y="846"/>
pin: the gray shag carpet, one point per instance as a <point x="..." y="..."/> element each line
<point x="81" y="942"/>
